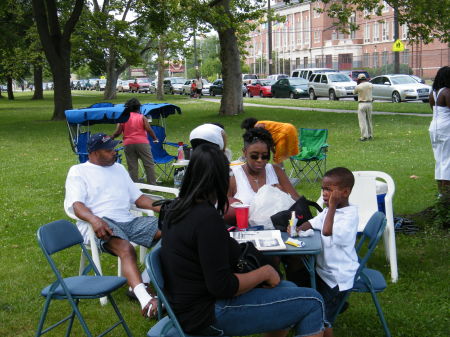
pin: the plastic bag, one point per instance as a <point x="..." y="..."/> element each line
<point x="268" y="201"/>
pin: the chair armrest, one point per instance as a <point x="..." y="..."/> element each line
<point x="148" y="212"/>
<point x="157" y="188"/>
<point x="171" y="144"/>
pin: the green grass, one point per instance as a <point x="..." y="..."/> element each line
<point x="405" y="107"/>
<point x="36" y="157"/>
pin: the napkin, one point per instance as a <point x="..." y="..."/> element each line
<point x="304" y="234"/>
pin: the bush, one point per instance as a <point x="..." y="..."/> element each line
<point x="388" y="69"/>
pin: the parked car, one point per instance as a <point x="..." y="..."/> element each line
<point x="247" y="78"/>
<point x="262" y="88"/>
<point x="186" y="87"/>
<point x="331" y="85"/>
<point x="398" y="88"/>
<point x="355" y="73"/>
<point x="291" y="87"/>
<point x="216" y="88"/>
<point x="206" y="86"/>
<point x="277" y="77"/>
<point x="307" y="72"/>
<point x="101" y="85"/>
<point x="123" y="86"/>
<point x="145" y="85"/>
<point x="418" y="79"/>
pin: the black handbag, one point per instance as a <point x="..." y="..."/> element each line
<point x="250" y="258"/>
<point x="280" y="220"/>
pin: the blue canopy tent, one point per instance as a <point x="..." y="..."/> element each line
<point x="80" y="120"/>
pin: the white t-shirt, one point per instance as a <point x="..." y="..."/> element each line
<point x="107" y="191"/>
<point x="338" y="262"/>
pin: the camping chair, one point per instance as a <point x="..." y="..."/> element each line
<point x="364" y="195"/>
<point x="313" y="155"/>
<point x="162" y="159"/>
<point x="169" y="325"/>
<point x="369" y="280"/>
<point x="55" y="237"/>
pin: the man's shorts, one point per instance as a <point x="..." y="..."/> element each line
<point x="140" y="230"/>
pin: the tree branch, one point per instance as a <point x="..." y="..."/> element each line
<point x="73" y="19"/>
<point x="53" y="20"/>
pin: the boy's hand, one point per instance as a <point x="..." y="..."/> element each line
<point x="336" y="198"/>
<point x="304" y="226"/>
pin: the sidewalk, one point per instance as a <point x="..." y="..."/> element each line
<point x="298" y="108"/>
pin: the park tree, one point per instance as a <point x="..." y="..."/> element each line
<point x="426" y="20"/>
<point x="55" y="26"/>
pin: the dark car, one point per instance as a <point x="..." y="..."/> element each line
<point x="355" y="73"/>
<point x="216" y="88"/>
<point x="293" y="87"/>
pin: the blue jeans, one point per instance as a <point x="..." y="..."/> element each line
<point x="264" y="310"/>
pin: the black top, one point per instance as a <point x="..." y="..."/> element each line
<point x="197" y="257"/>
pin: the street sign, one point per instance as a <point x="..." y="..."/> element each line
<point x="102" y="77"/>
<point x="398" y="46"/>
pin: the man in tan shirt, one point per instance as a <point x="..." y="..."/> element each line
<point x="364" y="92"/>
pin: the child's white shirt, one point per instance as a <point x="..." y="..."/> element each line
<point x="337" y="263"/>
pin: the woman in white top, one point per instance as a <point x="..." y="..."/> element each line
<point x="247" y="179"/>
<point x="440" y="128"/>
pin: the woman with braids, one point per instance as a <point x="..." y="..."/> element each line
<point x="247" y="179"/>
<point x="440" y="130"/>
<point x="284" y="135"/>
<point x="198" y="258"/>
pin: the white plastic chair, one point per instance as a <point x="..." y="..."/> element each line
<point x="364" y="195"/>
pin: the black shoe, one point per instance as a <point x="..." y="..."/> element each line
<point x="363" y="139"/>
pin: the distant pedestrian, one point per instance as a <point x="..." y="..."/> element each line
<point x="364" y="92"/>
<point x="136" y="142"/>
<point x="199" y="86"/>
<point x="440" y="130"/>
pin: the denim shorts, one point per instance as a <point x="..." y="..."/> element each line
<point x="263" y="310"/>
<point x="140" y="230"/>
<point x="331" y="296"/>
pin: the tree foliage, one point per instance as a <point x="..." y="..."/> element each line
<point x="426" y="20"/>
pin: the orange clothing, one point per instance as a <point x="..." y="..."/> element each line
<point x="285" y="136"/>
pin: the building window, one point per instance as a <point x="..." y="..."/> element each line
<point x="366" y="60"/>
<point x="353" y="23"/>
<point x="341" y="35"/>
<point x="405" y="56"/>
<point x="385" y="31"/>
<point x="316" y="36"/>
<point x="316" y="13"/>
<point x="366" y="32"/>
<point x="329" y="61"/>
<point x="405" y="31"/>
<point x="386" y="7"/>
<point x="297" y="62"/>
<point x="385" y="58"/>
<point x="305" y="62"/>
<point x="376" y="31"/>
<point x="334" y="35"/>
<point x="375" y="60"/>
<point x="307" y="30"/>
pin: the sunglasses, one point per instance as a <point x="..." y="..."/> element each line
<point x="255" y="156"/>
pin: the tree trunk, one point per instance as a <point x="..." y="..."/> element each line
<point x="37" y="75"/>
<point x="111" y="76"/>
<point x="61" y="84"/>
<point x="231" y="102"/>
<point x="160" y="84"/>
<point x="9" y="83"/>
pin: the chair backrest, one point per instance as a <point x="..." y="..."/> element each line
<point x="81" y="146"/>
<point x="372" y="233"/>
<point x="158" y="150"/>
<point x="364" y="195"/>
<point x="312" y="141"/>
<point x="153" y="266"/>
<point x="58" y="235"/>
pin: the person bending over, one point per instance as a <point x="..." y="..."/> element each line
<point x="198" y="258"/>
<point x="337" y="263"/>
<point x="99" y="192"/>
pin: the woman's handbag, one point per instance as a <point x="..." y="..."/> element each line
<point x="302" y="212"/>
<point x="250" y="258"/>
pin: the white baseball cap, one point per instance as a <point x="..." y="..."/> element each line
<point x="208" y="132"/>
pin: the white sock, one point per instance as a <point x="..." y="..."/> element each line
<point x="141" y="293"/>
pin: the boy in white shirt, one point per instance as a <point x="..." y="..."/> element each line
<point x="337" y="263"/>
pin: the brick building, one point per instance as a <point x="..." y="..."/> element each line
<point x="309" y="38"/>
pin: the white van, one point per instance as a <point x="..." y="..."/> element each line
<point x="307" y="72"/>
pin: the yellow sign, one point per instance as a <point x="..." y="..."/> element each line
<point x="398" y="46"/>
<point x="103" y="77"/>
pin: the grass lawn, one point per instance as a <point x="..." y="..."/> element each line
<point x="36" y="157"/>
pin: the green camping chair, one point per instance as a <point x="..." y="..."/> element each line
<point x="312" y="160"/>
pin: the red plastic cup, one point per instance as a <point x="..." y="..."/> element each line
<point x="241" y="211"/>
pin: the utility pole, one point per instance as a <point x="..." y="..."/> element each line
<point x="269" y="37"/>
<point x="195" y="56"/>
<point x="396" y="37"/>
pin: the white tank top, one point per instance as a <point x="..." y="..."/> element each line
<point x="244" y="191"/>
<point x="441" y="116"/>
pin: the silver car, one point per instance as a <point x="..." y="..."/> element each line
<point x="332" y="85"/>
<point x="398" y="88"/>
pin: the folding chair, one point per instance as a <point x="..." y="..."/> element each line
<point x="162" y="159"/>
<point x="169" y="325"/>
<point x="313" y="155"/>
<point x="370" y="280"/>
<point x="57" y="236"/>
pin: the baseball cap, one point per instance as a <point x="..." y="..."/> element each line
<point x="207" y="132"/>
<point x="101" y="141"/>
<point x="362" y="76"/>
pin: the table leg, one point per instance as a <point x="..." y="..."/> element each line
<point x="310" y="263"/>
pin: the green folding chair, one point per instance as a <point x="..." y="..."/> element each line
<point x="312" y="160"/>
<point x="53" y="238"/>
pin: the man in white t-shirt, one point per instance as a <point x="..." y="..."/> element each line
<point x="337" y="263"/>
<point x="99" y="192"/>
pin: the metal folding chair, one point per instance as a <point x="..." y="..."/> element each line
<point x="312" y="158"/>
<point x="53" y="238"/>
<point x="370" y="280"/>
